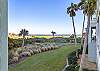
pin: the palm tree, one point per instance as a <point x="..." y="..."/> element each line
<point x="71" y="11"/>
<point x="71" y="38"/>
<point x="23" y="33"/>
<point x="53" y="33"/>
<point x="83" y="30"/>
<point x="81" y="7"/>
<point x="88" y="7"/>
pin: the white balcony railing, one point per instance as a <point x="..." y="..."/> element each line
<point x="98" y="58"/>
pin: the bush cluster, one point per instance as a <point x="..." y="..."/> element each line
<point x="72" y="58"/>
<point x="72" y="61"/>
<point x="17" y="54"/>
<point x="14" y="43"/>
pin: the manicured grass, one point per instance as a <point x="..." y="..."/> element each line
<point x="53" y="60"/>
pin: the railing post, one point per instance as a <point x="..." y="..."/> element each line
<point x="98" y="35"/>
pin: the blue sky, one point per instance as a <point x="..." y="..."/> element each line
<point x="42" y="16"/>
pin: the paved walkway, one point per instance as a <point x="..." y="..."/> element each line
<point x="88" y="65"/>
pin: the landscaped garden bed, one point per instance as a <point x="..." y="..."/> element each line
<point x="53" y="60"/>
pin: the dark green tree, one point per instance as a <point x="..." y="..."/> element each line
<point x="23" y="33"/>
<point x="71" y="11"/>
<point x="53" y="33"/>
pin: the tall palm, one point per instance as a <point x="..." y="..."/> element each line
<point x="53" y="33"/>
<point x="81" y="7"/>
<point x="71" y="11"/>
<point x="82" y="31"/>
<point x="23" y="33"/>
<point x="88" y="7"/>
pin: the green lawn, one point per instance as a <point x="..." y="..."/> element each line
<point x="53" y="60"/>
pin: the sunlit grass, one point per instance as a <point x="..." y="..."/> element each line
<point x="53" y="60"/>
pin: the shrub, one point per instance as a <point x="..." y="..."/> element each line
<point x="78" y="40"/>
<point x="14" y="43"/>
<point x="31" y="51"/>
<point x="36" y="51"/>
<point x="72" y="68"/>
<point x="39" y="50"/>
<point x="15" y="59"/>
<point x="72" y="61"/>
<point x="25" y="54"/>
<point x="43" y="49"/>
<point x="49" y="48"/>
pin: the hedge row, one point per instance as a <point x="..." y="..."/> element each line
<point x="72" y="61"/>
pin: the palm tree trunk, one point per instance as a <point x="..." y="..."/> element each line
<point x="53" y="38"/>
<point x="53" y="35"/>
<point x="88" y="26"/>
<point x="74" y="30"/>
<point x="82" y="32"/>
<point x="23" y="41"/>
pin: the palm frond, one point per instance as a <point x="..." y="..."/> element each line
<point x="68" y="10"/>
<point x="23" y="32"/>
<point x="71" y="10"/>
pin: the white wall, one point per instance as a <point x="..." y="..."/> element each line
<point x="91" y="44"/>
<point x="98" y="36"/>
<point x="3" y="35"/>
